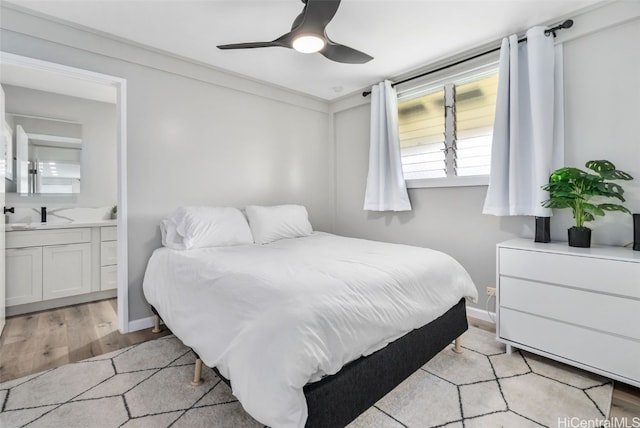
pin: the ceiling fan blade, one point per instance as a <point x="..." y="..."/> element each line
<point x="344" y="54"/>
<point x="317" y="14"/>
<point x="252" y="45"/>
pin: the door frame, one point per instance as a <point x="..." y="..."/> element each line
<point x="120" y="85"/>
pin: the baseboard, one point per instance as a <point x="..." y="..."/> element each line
<point x="45" y="305"/>
<point x="141" y="324"/>
<point x="481" y="314"/>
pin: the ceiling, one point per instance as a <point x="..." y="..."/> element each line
<point x="401" y="35"/>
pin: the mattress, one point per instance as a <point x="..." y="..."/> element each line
<point x="275" y="317"/>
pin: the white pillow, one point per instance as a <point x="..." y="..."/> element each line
<point x="170" y="237"/>
<point x="269" y="224"/>
<point x="199" y="227"/>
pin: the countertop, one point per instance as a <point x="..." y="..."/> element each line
<point x="13" y="227"/>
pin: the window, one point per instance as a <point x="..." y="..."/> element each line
<point x="446" y="128"/>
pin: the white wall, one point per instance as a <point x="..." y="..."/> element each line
<point x="99" y="168"/>
<point x="602" y="90"/>
<point x="195" y="135"/>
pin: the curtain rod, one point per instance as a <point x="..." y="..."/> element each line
<point x="566" y="24"/>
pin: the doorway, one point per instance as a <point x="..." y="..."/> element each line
<point x="39" y="75"/>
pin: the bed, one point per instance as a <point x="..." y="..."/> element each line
<point x="308" y="328"/>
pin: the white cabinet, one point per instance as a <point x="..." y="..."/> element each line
<point x="108" y="258"/>
<point x="23" y="275"/>
<point x="43" y="265"/>
<point x="580" y="306"/>
<point x="66" y="270"/>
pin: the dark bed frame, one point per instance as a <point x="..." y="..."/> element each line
<point x="338" y="399"/>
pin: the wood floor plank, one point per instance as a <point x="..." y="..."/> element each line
<point x="35" y="342"/>
<point x="20" y="328"/>
<point x="625" y="402"/>
<point x="105" y="323"/>
<point x="83" y="339"/>
<point x="51" y="341"/>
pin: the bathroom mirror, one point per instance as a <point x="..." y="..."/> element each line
<point x="47" y="155"/>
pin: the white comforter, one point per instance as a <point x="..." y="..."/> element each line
<point x="274" y="317"/>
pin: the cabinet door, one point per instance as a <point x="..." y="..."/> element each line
<point x="66" y="270"/>
<point x="24" y="275"/>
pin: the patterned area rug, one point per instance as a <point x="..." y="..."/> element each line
<point x="147" y="385"/>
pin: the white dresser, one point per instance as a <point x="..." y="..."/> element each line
<point x="580" y="306"/>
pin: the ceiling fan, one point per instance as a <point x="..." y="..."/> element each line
<point x="308" y="35"/>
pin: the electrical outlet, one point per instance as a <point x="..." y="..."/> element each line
<point x="491" y="291"/>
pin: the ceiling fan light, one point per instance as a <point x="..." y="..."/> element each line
<point x="308" y="43"/>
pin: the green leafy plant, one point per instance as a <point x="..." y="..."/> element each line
<point x="114" y="209"/>
<point x="573" y="188"/>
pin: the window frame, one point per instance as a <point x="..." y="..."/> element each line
<point x="457" y="75"/>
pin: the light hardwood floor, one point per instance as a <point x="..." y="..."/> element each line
<point x="626" y="398"/>
<point x="35" y="342"/>
<point x="39" y="341"/>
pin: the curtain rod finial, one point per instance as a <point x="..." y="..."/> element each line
<point x="568" y="23"/>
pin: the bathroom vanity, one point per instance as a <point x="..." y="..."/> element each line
<point x="51" y="265"/>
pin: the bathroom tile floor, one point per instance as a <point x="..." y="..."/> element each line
<point x="34" y="342"/>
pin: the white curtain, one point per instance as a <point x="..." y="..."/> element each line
<point x="386" y="189"/>
<point x="528" y="131"/>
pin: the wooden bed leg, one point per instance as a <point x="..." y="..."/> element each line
<point x="456" y="346"/>
<point x="156" y="325"/>
<point x="197" y="379"/>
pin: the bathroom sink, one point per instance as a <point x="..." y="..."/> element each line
<point x="55" y="221"/>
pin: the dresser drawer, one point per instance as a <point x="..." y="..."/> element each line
<point x="109" y="233"/>
<point x="590" y="273"/>
<point x="108" y="253"/>
<point x="594" y="310"/>
<point x="615" y="355"/>
<point x="40" y="238"/>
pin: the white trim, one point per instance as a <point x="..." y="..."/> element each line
<point x="55" y="139"/>
<point x="76" y="73"/>
<point x="141" y="324"/>
<point x="120" y="85"/>
<point x="481" y="314"/>
<point x="123" y="256"/>
<point x="471" y="180"/>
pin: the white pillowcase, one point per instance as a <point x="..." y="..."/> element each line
<point x="199" y="227"/>
<point x="170" y="237"/>
<point x="270" y="224"/>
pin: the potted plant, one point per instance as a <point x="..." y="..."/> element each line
<point x="574" y="188"/>
<point x="114" y="212"/>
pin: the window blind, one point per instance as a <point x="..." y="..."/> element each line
<point x="421" y="125"/>
<point x="475" y="105"/>
<point x="446" y="126"/>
